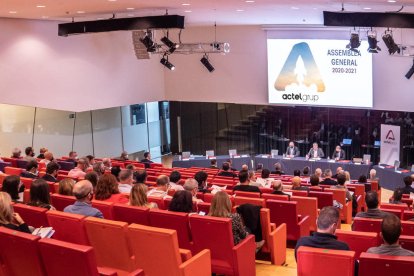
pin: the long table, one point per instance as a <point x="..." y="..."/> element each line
<point x="203" y="162"/>
<point x="390" y="178"/>
<point x="298" y="163"/>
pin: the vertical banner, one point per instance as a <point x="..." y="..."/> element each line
<point x="390" y="144"/>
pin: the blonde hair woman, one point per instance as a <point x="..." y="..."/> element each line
<point x="347" y="177"/>
<point x="138" y="197"/>
<point x="8" y="218"/>
<point x="221" y="207"/>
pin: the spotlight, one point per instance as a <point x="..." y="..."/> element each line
<point x="171" y="45"/>
<point x="373" y="42"/>
<point x="204" y="60"/>
<point x="410" y="72"/>
<point x="354" y="42"/>
<point x="164" y="61"/>
<point x="390" y="43"/>
<point x="149" y="44"/>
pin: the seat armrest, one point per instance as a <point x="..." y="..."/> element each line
<point x="272" y="226"/>
<point x="244" y="257"/>
<point x="200" y="264"/>
<point x="304" y="226"/>
<point x="137" y="272"/>
<point x="106" y="271"/>
<point x="277" y="245"/>
<point x="185" y="254"/>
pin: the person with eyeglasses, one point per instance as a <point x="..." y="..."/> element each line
<point x="83" y="191"/>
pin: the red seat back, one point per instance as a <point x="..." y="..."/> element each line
<point x="307" y="206"/>
<point x="104" y="207"/>
<point x="158" y="200"/>
<point x="27" y="182"/>
<point x="324" y="199"/>
<point x="275" y="197"/>
<point x="63" y="258"/>
<point x="358" y="241"/>
<point x="60" y="201"/>
<point x="407" y="228"/>
<point x="204" y="207"/>
<point x="68" y="227"/>
<point x="13" y="171"/>
<point x="247" y="194"/>
<point x="20" y="253"/>
<point x="383" y="265"/>
<point x="176" y="221"/>
<point x="238" y="200"/>
<point x="368" y="225"/>
<point x="407" y="242"/>
<point x="318" y="261"/>
<point x="131" y="214"/>
<point x="33" y="216"/>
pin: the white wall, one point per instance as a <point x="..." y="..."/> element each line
<point x="241" y="75"/>
<point x="76" y="73"/>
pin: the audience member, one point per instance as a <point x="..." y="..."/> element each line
<point x="99" y="168"/>
<point x="318" y="173"/>
<point x="161" y="190"/>
<point x="314" y="180"/>
<point x="83" y="192"/>
<point x="306" y="171"/>
<point x="296" y="172"/>
<point x="175" y="177"/>
<point x="80" y="170"/>
<point x="338" y="154"/>
<point x="191" y="185"/>
<point x="278" y="169"/>
<point x="341" y="185"/>
<point x="259" y="167"/>
<point x="371" y="199"/>
<point x="265" y="180"/>
<point x="201" y="178"/>
<point x="31" y="170"/>
<point x="16" y="153"/>
<point x="397" y="196"/>
<point x="130" y="167"/>
<point x="147" y="160"/>
<point x="373" y="175"/>
<point x="73" y="157"/>
<point x="126" y="181"/>
<point x="347" y="177"/>
<point x="390" y="233"/>
<point x="221" y="207"/>
<point x="91" y="159"/>
<point x="29" y="151"/>
<point x="51" y="172"/>
<point x="115" y="170"/>
<point x="245" y="168"/>
<point x="42" y="152"/>
<point x="339" y="170"/>
<point x="231" y="165"/>
<point x="107" y="190"/>
<point x="66" y="186"/>
<point x="140" y="176"/>
<point x="40" y="195"/>
<point x="225" y="171"/>
<point x="14" y="187"/>
<point x="278" y="188"/>
<point x="362" y="179"/>
<point x="10" y="219"/>
<point x="213" y="164"/>
<point x="138" y="197"/>
<point x="93" y="178"/>
<point x="181" y="202"/>
<point x="244" y="183"/>
<point x="124" y="156"/>
<point x="408" y="189"/>
<point x="253" y="179"/>
<point x="328" y="178"/>
<point x="107" y="164"/>
<point x="48" y="157"/>
<point x="324" y="237"/>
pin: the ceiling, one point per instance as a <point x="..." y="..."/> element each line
<point x="197" y="12"/>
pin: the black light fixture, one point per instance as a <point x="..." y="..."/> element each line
<point x="410" y="72"/>
<point x="164" y="61"/>
<point x="171" y="45"/>
<point x="354" y="42"/>
<point x="373" y="42"/>
<point x="390" y="43"/>
<point x="204" y="60"/>
<point x="148" y="43"/>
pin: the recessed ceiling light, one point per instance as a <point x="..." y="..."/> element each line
<point x="185" y="4"/>
<point x="367" y="8"/>
<point x="111" y="0"/>
<point x="249" y="1"/>
<point x="187" y="11"/>
<point x="45" y="16"/>
<point x="40" y="6"/>
<point x="391" y="1"/>
<point x="12" y="12"/>
<point x="295" y="8"/>
<point x="239" y="10"/>
<point x="80" y="12"/>
<point x="130" y="9"/>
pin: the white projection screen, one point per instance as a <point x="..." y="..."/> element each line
<point x="319" y="72"/>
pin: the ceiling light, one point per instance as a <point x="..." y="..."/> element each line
<point x="354" y="42"/>
<point x="80" y="12"/>
<point x="390" y="43"/>
<point x="164" y="61"/>
<point x="171" y="45"/>
<point x="185" y="4"/>
<point x="410" y="73"/>
<point x="204" y="60"/>
<point x="12" y="12"/>
<point x="249" y="1"/>
<point x="239" y="10"/>
<point x="295" y="8"/>
<point x="149" y="44"/>
<point x="188" y="11"/>
<point x="45" y="16"/>
<point x="40" y="6"/>
<point x="130" y="9"/>
<point x="373" y="42"/>
<point x="367" y="8"/>
<point x="391" y="1"/>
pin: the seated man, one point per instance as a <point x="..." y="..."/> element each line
<point x="296" y="184"/>
<point x="126" y="181"/>
<point x="314" y="180"/>
<point x="318" y="173"/>
<point x="51" y="172"/>
<point x="16" y="153"/>
<point x="324" y="237"/>
<point x="47" y="158"/>
<point x="338" y="154"/>
<point x="226" y="172"/>
<point x="408" y="189"/>
<point x="163" y="183"/>
<point x="315" y="152"/>
<point x="147" y="160"/>
<point x="201" y="178"/>
<point x="29" y="151"/>
<point x="292" y="150"/>
<point x="339" y="170"/>
<point x="328" y="178"/>
<point x="191" y="185"/>
<point x="42" y="153"/>
<point x="213" y="164"/>
<point x="106" y="162"/>
<point x="390" y="233"/>
<point x="80" y="169"/>
<point x="73" y="157"/>
<point x="245" y="183"/>
<point x="175" y="176"/>
<point x="245" y="168"/>
<point x="140" y="176"/>
<point x="371" y="199"/>
<point x="83" y="191"/>
<point x="278" y="169"/>
<point x="278" y="188"/>
<point x="124" y="156"/>
<point x="341" y="185"/>
<point x="31" y="170"/>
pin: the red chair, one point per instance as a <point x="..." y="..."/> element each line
<point x="19" y="253"/>
<point x="398" y="213"/>
<point x="13" y="161"/>
<point x="33" y="216"/>
<point x="307" y="206"/>
<point x="158" y="200"/>
<point x="340" y="196"/>
<point x="68" y="227"/>
<point x="264" y="190"/>
<point x="105" y="208"/>
<point x="408" y="215"/>
<point x="299" y="193"/>
<point x="325" y="262"/>
<point x="358" y="241"/>
<point x="408" y="228"/>
<point x="155" y="166"/>
<point x="204" y="207"/>
<point x="131" y="214"/>
<point x="286" y="212"/>
<point x="383" y="265"/>
<point x="176" y="221"/>
<point x="324" y="199"/>
<point x="60" y="201"/>
<point x="238" y="200"/>
<point x="27" y="182"/>
<point x="368" y="225"/>
<point x="247" y="194"/>
<point x="359" y="191"/>
<point x="275" y="238"/>
<point x="275" y="197"/>
<point x="55" y="255"/>
<point x="226" y="258"/>
<point x="13" y="171"/>
<point x="407" y="242"/>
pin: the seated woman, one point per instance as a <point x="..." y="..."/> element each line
<point x="265" y="180"/>
<point x="138" y="197"/>
<point x="8" y="218"/>
<point x="39" y="194"/>
<point x="182" y="201"/>
<point x="397" y="197"/>
<point x="13" y="186"/>
<point x="221" y="207"/>
<point x="107" y="190"/>
<point x="66" y="186"/>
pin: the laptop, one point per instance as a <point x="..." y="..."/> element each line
<point x="274" y="153"/>
<point x="347" y="141"/>
<point x="366" y="158"/>
<point x="232" y="152"/>
<point x="357" y="160"/>
<point x="185" y="155"/>
<point x="209" y="153"/>
<point x="377" y="143"/>
<point x="396" y="164"/>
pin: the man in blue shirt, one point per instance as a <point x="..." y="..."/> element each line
<point x="83" y="191"/>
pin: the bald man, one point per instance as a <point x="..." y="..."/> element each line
<point x="83" y="191"/>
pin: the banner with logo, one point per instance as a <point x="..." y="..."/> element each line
<point x="319" y="72"/>
<point x="390" y="144"/>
